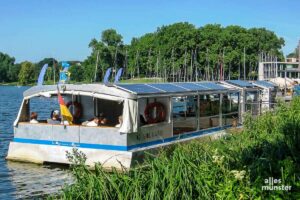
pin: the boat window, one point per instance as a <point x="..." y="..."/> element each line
<point x="209" y="111"/>
<point x="230" y="109"/>
<point x="108" y="110"/>
<point x="153" y="110"/>
<point x="43" y="106"/>
<point x="184" y="114"/>
<point x="251" y="103"/>
<point x="83" y="109"/>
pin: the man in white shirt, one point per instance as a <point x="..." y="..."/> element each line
<point x="94" y="122"/>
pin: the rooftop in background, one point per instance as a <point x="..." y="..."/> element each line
<point x="266" y="84"/>
<point x="240" y="83"/>
<point x="292" y="60"/>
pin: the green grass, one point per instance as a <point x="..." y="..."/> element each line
<point x="9" y="84"/>
<point x="233" y="167"/>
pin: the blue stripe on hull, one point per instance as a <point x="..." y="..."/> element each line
<point x="117" y="147"/>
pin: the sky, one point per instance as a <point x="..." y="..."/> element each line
<point x="35" y="29"/>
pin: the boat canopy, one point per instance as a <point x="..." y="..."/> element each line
<point x="172" y="89"/>
<point x="93" y="90"/>
<point x="119" y="92"/>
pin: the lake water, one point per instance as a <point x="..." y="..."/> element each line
<point x="24" y="180"/>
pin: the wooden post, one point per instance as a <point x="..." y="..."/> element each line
<point x="96" y="67"/>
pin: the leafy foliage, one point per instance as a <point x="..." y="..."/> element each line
<point x="26" y="73"/>
<point x="233" y="167"/>
<point x="7" y="68"/>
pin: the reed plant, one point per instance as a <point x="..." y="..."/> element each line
<point x="233" y="167"/>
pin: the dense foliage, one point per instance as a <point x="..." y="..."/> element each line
<point x="233" y="167"/>
<point x="177" y="52"/>
<point x="7" y="68"/>
<point x="183" y="50"/>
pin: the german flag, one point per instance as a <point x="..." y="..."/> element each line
<point x="65" y="113"/>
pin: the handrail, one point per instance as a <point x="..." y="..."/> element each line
<point x="73" y="125"/>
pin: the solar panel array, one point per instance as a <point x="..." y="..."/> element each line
<point x="265" y="84"/>
<point x="191" y="86"/>
<point x="140" y="88"/>
<point x="154" y="88"/>
<point x="240" y="83"/>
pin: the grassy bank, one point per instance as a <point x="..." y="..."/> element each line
<point x="234" y="167"/>
<point x="9" y="84"/>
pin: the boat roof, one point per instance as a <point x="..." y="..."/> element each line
<point x="169" y="88"/>
<point x="129" y="91"/>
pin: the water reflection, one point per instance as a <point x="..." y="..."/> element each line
<point x="32" y="180"/>
<point x="24" y="180"/>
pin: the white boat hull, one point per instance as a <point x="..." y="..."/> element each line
<point x="37" y="153"/>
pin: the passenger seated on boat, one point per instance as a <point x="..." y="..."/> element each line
<point x="55" y="118"/>
<point x="33" y="118"/>
<point x="120" y="118"/>
<point x="103" y="121"/>
<point x="93" y="122"/>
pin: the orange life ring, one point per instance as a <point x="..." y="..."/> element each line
<point x="78" y="108"/>
<point x="160" y="114"/>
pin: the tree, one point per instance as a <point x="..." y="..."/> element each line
<point x="110" y="53"/>
<point x="77" y="72"/>
<point x="6" y="62"/>
<point x="26" y="74"/>
<point x="49" y="73"/>
<point x="110" y="37"/>
<point x="13" y="72"/>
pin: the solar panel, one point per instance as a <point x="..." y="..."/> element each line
<point x="240" y="83"/>
<point x="168" y="87"/>
<point x="191" y="86"/>
<point x="211" y="86"/>
<point x="139" y="88"/>
<point x="265" y="84"/>
<point x="156" y="88"/>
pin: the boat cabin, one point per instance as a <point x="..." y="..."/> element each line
<point x="268" y="92"/>
<point x="148" y="111"/>
<point x="250" y="96"/>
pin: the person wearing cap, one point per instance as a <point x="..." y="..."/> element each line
<point x="55" y="118"/>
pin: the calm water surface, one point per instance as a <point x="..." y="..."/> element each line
<point x="24" y="180"/>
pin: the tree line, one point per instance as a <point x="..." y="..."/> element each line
<point x="176" y="52"/>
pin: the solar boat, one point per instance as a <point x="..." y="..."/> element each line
<point x="153" y="116"/>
